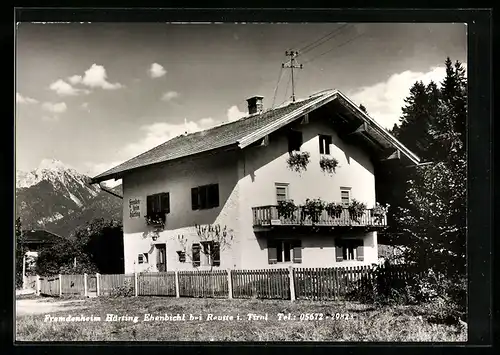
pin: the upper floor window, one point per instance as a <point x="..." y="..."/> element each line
<point x="281" y="192"/>
<point x="158" y="203"/>
<point x="284" y="251"/>
<point x="324" y="144"/>
<point x="294" y="140"/>
<point x="204" y="197"/>
<point x="345" y="195"/>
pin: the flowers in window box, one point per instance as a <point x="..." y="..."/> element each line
<point x="286" y="208"/>
<point x="313" y="209"/>
<point x="356" y="209"/>
<point x="328" y="164"/>
<point x="334" y="210"/>
<point x="297" y="161"/>
<point x="155" y="219"/>
<point x="380" y="211"/>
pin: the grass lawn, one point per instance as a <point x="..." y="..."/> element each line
<point x="364" y="323"/>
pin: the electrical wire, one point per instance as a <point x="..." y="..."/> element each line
<point x="335" y="47"/>
<point x="326" y="38"/>
<point x="277" y="85"/>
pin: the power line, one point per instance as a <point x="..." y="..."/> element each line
<point x="286" y="91"/>
<point x="292" y="66"/>
<point x="277" y="84"/>
<point x="325" y="39"/>
<point x="340" y="45"/>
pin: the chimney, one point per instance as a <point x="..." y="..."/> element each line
<point x="255" y="104"/>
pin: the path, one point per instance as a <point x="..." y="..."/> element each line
<point x="41" y="306"/>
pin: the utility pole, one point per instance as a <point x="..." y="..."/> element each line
<point x="292" y="65"/>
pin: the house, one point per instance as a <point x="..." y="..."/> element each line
<point x="234" y="175"/>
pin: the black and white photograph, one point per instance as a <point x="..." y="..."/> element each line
<point x="241" y="182"/>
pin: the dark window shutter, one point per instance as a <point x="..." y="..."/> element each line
<point x="165" y="202"/>
<point x="271" y="252"/>
<point x="213" y="193"/>
<point x="194" y="198"/>
<point x="360" y="251"/>
<point x="321" y="145"/>
<point x="216" y="254"/>
<point x="150" y="205"/>
<point x="203" y="196"/>
<point x="328" y="142"/>
<point x="297" y="252"/>
<point x="339" y="253"/>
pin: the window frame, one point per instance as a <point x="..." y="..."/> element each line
<point x="142" y="258"/>
<point x="350" y="247"/>
<point x="295" y="134"/>
<point x="157" y="199"/>
<point x="348" y="191"/>
<point x="282" y="185"/>
<point x="325" y="141"/>
<point x="205" y="197"/>
<point x="285" y="247"/>
<point x="196" y="261"/>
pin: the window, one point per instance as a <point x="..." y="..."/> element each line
<point x="345" y="195"/>
<point x="350" y="249"/>
<point x="324" y="144"/>
<point x="196" y="255"/>
<point x="284" y="251"/>
<point x="281" y="192"/>
<point x="211" y="252"/>
<point x="294" y="141"/>
<point x="158" y="203"/>
<point x="182" y="256"/>
<point x="204" y="197"/>
<point x="142" y="258"/>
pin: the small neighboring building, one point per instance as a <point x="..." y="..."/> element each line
<point x="237" y="174"/>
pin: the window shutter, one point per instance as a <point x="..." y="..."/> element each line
<point x="216" y="254"/>
<point x="360" y="252"/>
<point x="203" y="197"/>
<point x="297" y="252"/>
<point x="271" y="252"/>
<point x="196" y="255"/>
<point x="339" y="253"/>
<point x="165" y="202"/>
<point x="213" y="195"/>
<point x="194" y="198"/>
<point x="321" y="145"/>
<point x="150" y="205"/>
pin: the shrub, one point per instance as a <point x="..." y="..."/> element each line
<point x="313" y="209"/>
<point x="356" y="209"/>
<point x="155" y="219"/>
<point x="286" y="208"/>
<point x="379" y="211"/>
<point x="334" y="210"/>
<point x="328" y="164"/>
<point x="125" y="290"/>
<point x="298" y="161"/>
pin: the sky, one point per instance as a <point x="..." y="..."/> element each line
<point x="93" y="95"/>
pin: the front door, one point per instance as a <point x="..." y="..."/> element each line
<point x="161" y="257"/>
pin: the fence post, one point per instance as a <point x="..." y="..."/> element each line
<point x="135" y="284"/>
<point x="97" y="281"/>
<point x="177" y="293"/>
<point x="38" y="285"/>
<point x="292" y="284"/>
<point x="229" y="284"/>
<point x="85" y="289"/>
<point x="60" y="285"/>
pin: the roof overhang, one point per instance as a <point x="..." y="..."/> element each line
<point x="369" y="129"/>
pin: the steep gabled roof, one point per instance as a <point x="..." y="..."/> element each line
<point x="245" y="131"/>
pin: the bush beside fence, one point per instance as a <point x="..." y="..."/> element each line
<point x="361" y="283"/>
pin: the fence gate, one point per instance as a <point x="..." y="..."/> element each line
<point x="91" y="284"/>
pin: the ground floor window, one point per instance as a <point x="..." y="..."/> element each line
<point x="284" y="251"/>
<point x="142" y="258"/>
<point x="349" y="249"/>
<point x="211" y="252"/>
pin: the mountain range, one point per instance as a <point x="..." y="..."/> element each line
<point x="57" y="198"/>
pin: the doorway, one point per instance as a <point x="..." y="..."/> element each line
<point x="161" y="257"/>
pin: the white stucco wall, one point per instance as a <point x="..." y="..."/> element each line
<point x="261" y="167"/>
<point x="178" y="179"/>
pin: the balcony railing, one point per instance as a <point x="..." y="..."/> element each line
<point x="268" y="216"/>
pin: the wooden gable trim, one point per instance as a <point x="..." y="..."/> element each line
<point x="396" y="154"/>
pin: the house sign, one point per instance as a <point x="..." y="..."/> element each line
<point x="134" y="205"/>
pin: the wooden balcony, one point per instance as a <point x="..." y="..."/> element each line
<point x="267" y="216"/>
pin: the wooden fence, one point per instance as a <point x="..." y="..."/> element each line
<point x="320" y="284"/>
